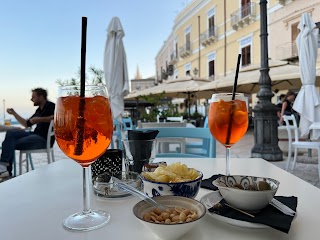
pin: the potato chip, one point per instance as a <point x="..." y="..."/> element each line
<point x="175" y="172"/>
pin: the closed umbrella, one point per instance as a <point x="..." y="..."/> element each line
<point x="115" y="67"/>
<point x="307" y="103"/>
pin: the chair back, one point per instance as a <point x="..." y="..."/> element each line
<point x="116" y="134"/>
<point x="127" y="124"/>
<point x="175" y="119"/>
<point x="161" y="124"/>
<point x="291" y="124"/>
<point x="50" y="134"/>
<point x="192" y="133"/>
<point x="205" y="125"/>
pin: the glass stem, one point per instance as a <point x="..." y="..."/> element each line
<point x="86" y="190"/>
<point x="227" y="161"/>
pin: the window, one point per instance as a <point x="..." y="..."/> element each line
<point x="246" y="55"/>
<point x="211" y="26"/>
<point x="211" y="69"/>
<point x="245" y="50"/>
<point x="210" y="16"/>
<point x="188" y="47"/>
<point x="187" y="39"/>
<point x="245" y="8"/>
<point x="294" y="34"/>
<point x="187" y="69"/>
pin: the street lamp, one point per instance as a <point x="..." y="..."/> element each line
<point x="4" y="110"/>
<point x="195" y="71"/>
<point x="265" y="113"/>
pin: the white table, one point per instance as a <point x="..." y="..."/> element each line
<point x="34" y="205"/>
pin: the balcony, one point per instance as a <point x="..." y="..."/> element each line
<point x="212" y="77"/>
<point x="174" y="58"/>
<point x="244" y="16"/>
<point x="287" y="51"/>
<point x="209" y="36"/>
<point x="283" y="2"/>
<point x="185" y="51"/>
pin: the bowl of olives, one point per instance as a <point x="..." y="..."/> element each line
<point x="248" y="193"/>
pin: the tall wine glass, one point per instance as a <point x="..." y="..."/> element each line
<point x="83" y="130"/>
<point x="228" y="120"/>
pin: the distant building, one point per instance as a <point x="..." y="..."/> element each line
<point x="138" y="83"/>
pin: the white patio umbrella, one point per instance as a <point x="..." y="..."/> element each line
<point x="307" y="103"/>
<point x="115" y="67"/>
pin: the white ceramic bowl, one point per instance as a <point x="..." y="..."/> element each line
<point x="188" y="189"/>
<point x="245" y="199"/>
<point x="170" y="231"/>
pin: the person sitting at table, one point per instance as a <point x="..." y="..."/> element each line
<point x="287" y="106"/>
<point x="279" y="106"/>
<point x="26" y="140"/>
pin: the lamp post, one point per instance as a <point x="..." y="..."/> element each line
<point x="195" y="72"/>
<point x="265" y="113"/>
<point x="4" y="110"/>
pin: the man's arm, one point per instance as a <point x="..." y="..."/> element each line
<point x="36" y="120"/>
<point x="20" y="119"/>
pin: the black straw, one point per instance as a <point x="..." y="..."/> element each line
<point x="78" y="150"/>
<point x="83" y="56"/>
<point x="234" y="90"/>
<point x="233" y="97"/>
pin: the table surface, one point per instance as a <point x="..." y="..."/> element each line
<point x="33" y="205"/>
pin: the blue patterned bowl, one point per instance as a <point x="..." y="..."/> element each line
<point x="248" y="193"/>
<point x="187" y="189"/>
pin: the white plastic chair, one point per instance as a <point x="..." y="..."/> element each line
<point x="48" y="150"/>
<point x="291" y="124"/>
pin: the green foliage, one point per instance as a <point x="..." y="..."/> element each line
<point x="168" y="109"/>
<point x="96" y="77"/>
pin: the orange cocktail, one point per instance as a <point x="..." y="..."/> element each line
<point x="228" y="120"/>
<point x="97" y="129"/>
<point x="83" y="128"/>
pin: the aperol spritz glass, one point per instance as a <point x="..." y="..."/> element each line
<point x="83" y="129"/>
<point x="228" y="120"/>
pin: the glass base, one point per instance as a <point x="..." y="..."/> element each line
<point x="86" y="222"/>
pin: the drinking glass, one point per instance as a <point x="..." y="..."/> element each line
<point x="228" y="120"/>
<point x="83" y="130"/>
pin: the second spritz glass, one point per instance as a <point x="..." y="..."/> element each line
<point x="228" y="120"/>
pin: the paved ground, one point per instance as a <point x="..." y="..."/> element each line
<point x="306" y="168"/>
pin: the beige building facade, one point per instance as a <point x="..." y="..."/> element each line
<point x="208" y="35"/>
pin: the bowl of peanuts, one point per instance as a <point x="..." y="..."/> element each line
<point x="175" y="179"/>
<point x="180" y="215"/>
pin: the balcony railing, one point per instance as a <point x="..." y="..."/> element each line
<point x="185" y="51"/>
<point x="244" y="15"/>
<point x="174" y="58"/>
<point x="287" y="51"/>
<point x="209" y="36"/>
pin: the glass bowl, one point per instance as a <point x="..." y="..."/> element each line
<point x="103" y="185"/>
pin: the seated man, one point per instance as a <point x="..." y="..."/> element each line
<point x="25" y="140"/>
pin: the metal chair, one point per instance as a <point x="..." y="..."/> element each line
<point x="127" y="124"/>
<point x="179" y="134"/>
<point x="48" y="150"/>
<point x="291" y="124"/>
<point x="198" y="147"/>
<point x="117" y="135"/>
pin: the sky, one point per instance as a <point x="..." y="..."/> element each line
<point x="40" y="41"/>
